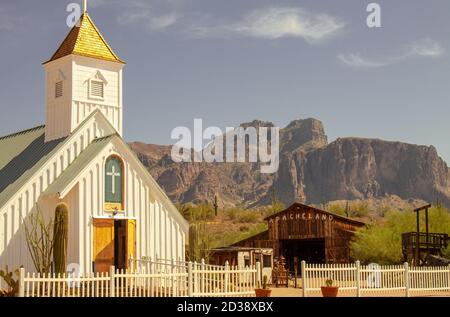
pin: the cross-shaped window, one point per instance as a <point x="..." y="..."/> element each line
<point x="114" y="184"/>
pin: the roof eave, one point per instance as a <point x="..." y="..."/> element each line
<point x="119" y="61"/>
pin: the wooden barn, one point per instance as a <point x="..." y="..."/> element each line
<point x="302" y="232"/>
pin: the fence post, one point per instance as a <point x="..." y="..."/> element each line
<point x="358" y="279"/>
<point x="22" y="282"/>
<point x="407" y="280"/>
<point x="112" y="282"/>
<point x="202" y="276"/>
<point x="258" y="274"/>
<point x="227" y="276"/>
<point x="195" y="277"/>
<point x="190" y="279"/>
<point x="448" y="278"/>
<point x="303" y="271"/>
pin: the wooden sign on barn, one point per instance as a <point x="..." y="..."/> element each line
<point x="302" y="232"/>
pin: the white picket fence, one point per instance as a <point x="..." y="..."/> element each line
<point x="147" y="279"/>
<point x="375" y="280"/>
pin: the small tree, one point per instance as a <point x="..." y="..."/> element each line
<point x="39" y="240"/>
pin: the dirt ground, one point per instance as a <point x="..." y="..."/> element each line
<point x="297" y="292"/>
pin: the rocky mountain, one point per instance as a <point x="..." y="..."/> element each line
<point x="311" y="170"/>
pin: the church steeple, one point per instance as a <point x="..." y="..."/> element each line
<point x="85" y="39"/>
<point x="83" y="75"/>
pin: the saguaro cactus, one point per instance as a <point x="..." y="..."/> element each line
<point x="60" y="236"/>
<point x="199" y="242"/>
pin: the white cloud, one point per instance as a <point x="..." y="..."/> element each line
<point x="148" y="14"/>
<point x="163" y="21"/>
<point x="274" y="23"/>
<point x="426" y="47"/>
<point x="356" y="60"/>
<point x="423" y="48"/>
<point x="147" y="18"/>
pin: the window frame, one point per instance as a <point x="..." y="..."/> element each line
<point x="112" y="206"/>
<point x="61" y="83"/>
<point x="93" y="96"/>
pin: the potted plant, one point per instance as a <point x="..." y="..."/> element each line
<point x="13" y="284"/>
<point x="264" y="292"/>
<point x="329" y="290"/>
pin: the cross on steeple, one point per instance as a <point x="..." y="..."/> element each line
<point x="84" y="6"/>
<point x="113" y="175"/>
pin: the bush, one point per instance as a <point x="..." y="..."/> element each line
<point x="193" y="213"/>
<point x="337" y="209"/>
<point x="381" y="242"/>
<point x="359" y="209"/>
<point x="248" y="217"/>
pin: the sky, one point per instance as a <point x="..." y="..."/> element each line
<point x="229" y="62"/>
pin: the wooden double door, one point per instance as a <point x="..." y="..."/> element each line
<point x="114" y="243"/>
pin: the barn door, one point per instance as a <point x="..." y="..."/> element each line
<point x="103" y="244"/>
<point x="131" y="236"/>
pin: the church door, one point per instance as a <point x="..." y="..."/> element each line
<point x="131" y="235"/>
<point x="120" y="244"/>
<point x="103" y="244"/>
<point x="114" y="243"/>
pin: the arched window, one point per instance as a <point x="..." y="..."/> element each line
<point x="114" y="184"/>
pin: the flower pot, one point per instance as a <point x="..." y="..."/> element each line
<point x="330" y="291"/>
<point x="263" y="292"/>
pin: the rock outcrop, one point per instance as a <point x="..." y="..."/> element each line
<point x="310" y="171"/>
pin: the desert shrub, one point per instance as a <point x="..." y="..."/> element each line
<point x="248" y="216"/>
<point x="194" y="213"/>
<point x="337" y="208"/>
<point x="232" y="213"/>
<point x="243" y="228"/>
<point x="380" y="242"/>
<point x="238" y="215"/>
<point x="231" y="237"/>
<point x="359" y="209"/>
<point x="354" y="209"/>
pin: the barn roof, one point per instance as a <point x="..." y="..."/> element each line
<point x="299" y="207"/>
<point x="22" y="154"/>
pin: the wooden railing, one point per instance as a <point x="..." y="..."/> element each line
<point x="430" y="241"/>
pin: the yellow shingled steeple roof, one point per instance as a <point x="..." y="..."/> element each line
<point x="85" y="39"/>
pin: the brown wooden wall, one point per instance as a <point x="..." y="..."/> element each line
<point x="301" y="222"/>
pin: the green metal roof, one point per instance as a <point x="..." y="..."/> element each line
<point x="21" y="155"/>
<point x="78" y="165"/>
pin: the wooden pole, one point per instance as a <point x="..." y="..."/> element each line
<point x="417" y="239"/>
<point x="426" y="225"/>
